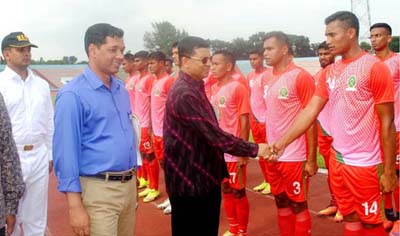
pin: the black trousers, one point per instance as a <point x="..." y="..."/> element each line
<point x="196" y="215"/>
<point x="3" y="231"/>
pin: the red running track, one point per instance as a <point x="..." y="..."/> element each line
<point x="263" y="216"/>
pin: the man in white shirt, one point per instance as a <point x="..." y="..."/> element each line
<point x="28" y="101"/>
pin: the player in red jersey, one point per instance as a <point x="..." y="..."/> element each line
<point x="166" y="205"/>
<point x="287" y="90"/>
<point x="358" y="93"/>
<point x="324" y="139"/>
<point x="142" y="90"/>
<point x="230" y="100"/>
<point x="168" y="66"/>
<point x="159" y="91"/>
<point x="381" y="36"/>
<point x="257" y="115"/>
<point x="129" y="67"/>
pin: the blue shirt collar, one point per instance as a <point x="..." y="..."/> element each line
<point x="95" y="82"/>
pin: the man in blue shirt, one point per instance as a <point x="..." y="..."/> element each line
<point x="94" y="144"/>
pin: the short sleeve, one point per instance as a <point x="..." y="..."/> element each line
<point x="305" y="87"/>
<point x="381" y="83"/>
<point x="321" y="89"/>
<point x="242" y="99"/>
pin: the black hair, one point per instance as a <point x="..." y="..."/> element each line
<point x="228" y="56"/>
<point x="158" y="56"/>
<point x="281" y="37"/>
<point x="174" y="45"/>
<point x="347" y="18"/>
<point x="382" y="25"/>
<point x="323" y="45"/>
<point x="187" y="46"/>
<point x="256" y="51"/>
<point x="97" y="34"/>
<point x="129" y="56"/>
<point x="141" y="54"/>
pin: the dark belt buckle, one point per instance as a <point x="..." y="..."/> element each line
<point x="28" y="147"/>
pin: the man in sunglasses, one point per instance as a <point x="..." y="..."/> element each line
<point x="194" y="146"/>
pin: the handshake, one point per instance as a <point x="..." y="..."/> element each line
<point x="269" y="152"/>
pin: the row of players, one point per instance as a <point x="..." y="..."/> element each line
<point x="275" y="95"/>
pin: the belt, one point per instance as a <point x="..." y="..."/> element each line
<point x="123" y="176"/>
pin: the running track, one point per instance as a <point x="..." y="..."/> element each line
<point x="263" y="218"/>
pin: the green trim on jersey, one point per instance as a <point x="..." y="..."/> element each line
<point x="339" y="156"/>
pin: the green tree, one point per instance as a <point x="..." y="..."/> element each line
<point x="314" y="48"/>
<point x="162" y="37"/>
<point x="217" y="44"/>
<point x="394" y="45"/>
<point x="300" y="45"/>
<point x="240" y="48"/>
<point x="365" y="46"/>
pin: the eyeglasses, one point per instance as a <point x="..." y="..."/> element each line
<point x="203" y="60"/>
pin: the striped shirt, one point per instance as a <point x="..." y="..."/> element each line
<point x="194" y="145"/>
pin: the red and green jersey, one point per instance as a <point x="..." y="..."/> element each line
<point x="286" y="94"/>
<point x="230" y="101"/>
<point x="353" y="87"/>
<point x="159" y="94"/>
<point x="393" y="62"/>
<point x="142" y="92"/>
<point x="257" y="102"/>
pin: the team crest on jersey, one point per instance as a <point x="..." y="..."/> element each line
<point x="351" y="83"/>
<point x="283" y="93"/>
<point x="157" y="92"/>
<point x="222" y="101"/>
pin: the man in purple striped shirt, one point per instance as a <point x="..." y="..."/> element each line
<point x="194" y="146"/>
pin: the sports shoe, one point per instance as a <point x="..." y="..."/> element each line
<point x="143" y="183"/>
<point x="153" y="194"/>
<point x="330" y="210"/>
<point x="168" y="210"/>
<point x="396" y="229"/>
<point x="144" y="192"/>
<point x="164" y="204"/>
<point x="260" y="187"/>
<point x="267" y="189"/>
<point x="338" y="217"/>
<point x="228" y="233"/>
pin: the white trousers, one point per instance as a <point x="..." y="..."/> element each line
<point x="32" y="208"/>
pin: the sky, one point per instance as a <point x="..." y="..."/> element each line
<point x="58" y="26"/>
